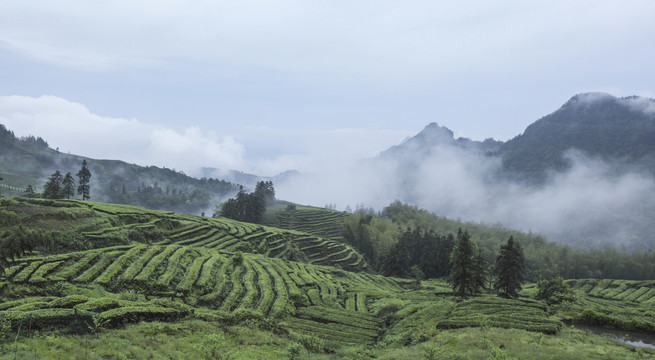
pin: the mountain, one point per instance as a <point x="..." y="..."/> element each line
<point x="30" y="161"/>
<point x="583" y="175"/>
<point x="620" y="130"/>
<point x="245" y="179"/>
<point x="598" y="124"/>
<point x="435" y="135"/>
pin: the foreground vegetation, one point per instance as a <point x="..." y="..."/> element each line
<point x="119" y="282"/>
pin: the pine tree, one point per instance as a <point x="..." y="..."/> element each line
<point x="85" y="177"/>
<point x="266" y="190"/>
<point x="249" y="207"/>
<point x="52" y="187"/>
<point x="29" y="192"/>
<point x="479" y="272"/>
<point x="68" y="186"/>
<point x="510" y="269"/>
<point x="464" y="271"/>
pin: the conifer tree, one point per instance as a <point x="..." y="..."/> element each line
<point x="52" y="187"/>
<point x="510" y="269"/>
<point x="85" y="177"/>
<point x="68" y="186"/>
<point x="479" y="272"/>
<point x="465" y="270"/>
<point x="29" y="192"/>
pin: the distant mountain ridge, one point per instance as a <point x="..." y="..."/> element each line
<point x="584" y="174"/>
<point x="598" y="124"/>
<point x="434" y="135"/>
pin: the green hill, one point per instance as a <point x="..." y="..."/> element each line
<point x="136" y="279"/>
<point x="95" y="225"/>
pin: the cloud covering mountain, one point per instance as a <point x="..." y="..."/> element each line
<point x="599" y="198"/>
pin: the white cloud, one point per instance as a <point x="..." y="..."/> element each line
<point x="274" y="150"/>
<point x="642" y="104"/>
<point x="72" y="127"/>
<point x="589" y="203"/>
<point x="265" y="151"/>
<point x="365" y="39"/>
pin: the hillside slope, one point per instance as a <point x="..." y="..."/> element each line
<point x="96" y="225"/>
<point x="146" y="266"/>
<point x="598" y="124"/>
<point x="30" y="161"/>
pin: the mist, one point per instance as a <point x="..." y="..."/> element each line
<point x="589" y="205"/>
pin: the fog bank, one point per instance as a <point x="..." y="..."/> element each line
<point x="591" y="204"/>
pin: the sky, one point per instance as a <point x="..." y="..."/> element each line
<point x="269" y="86"/>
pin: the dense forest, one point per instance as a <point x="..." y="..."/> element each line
<point x="403" y="235"/>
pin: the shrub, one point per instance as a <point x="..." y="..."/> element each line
<point x="237" y="259"/>
<point x="8" y="218"/>
<point x="130" y="314"/>
<point x="213" y="346"/>
<point x="68" y="301"/>
<point x="312" y="343"/>
<point x="555" y="291"/>
<point x="294" y="350"/>
<point x="431" y="352"/>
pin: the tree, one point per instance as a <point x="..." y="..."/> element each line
<point x="248" y="207"/>
<point x="555" y="291"/>
<point x="266" y="190"/>
<point x="479" y="272"/>
<point x="14" y="243"/>
<point x="29" y="192"/>
<point x="52" y="187"/>
<point x="417" y="274"/>
<point x="465" y="267"/>
<point x="85" y="177"/>
<point x="510" y="269"/>
<point x="68" y="186"/>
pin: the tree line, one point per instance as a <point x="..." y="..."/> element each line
<point x="459" y="259"/>
<point x="248" y="207"/>
<point x="60" y="186"/>
<point x="387" y="247"/>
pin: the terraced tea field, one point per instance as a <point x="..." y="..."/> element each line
<point x="331" y="304"/>
<point x="164" y="268"/>
<point x="324" y="223"/>
<point x="111" y="224"/>
<point x="642" y="292"/>
<point x="504" y="313"/>
<point x="318" y="298"/>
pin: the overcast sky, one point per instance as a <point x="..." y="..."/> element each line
<point x="266" y="86"/>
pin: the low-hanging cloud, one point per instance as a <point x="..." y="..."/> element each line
<point x="590" y="204"/>
<point x="73" y="128"/>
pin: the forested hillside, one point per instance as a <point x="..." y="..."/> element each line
<point x="30" y="161"/>
<point x="600" y="125"/>
<point x="401" y="236"/>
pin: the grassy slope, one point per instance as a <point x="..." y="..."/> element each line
<point x="265" y="306"/>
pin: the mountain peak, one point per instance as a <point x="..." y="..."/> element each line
<point x="590" y="97"/>
<point x="436" y="133"/>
